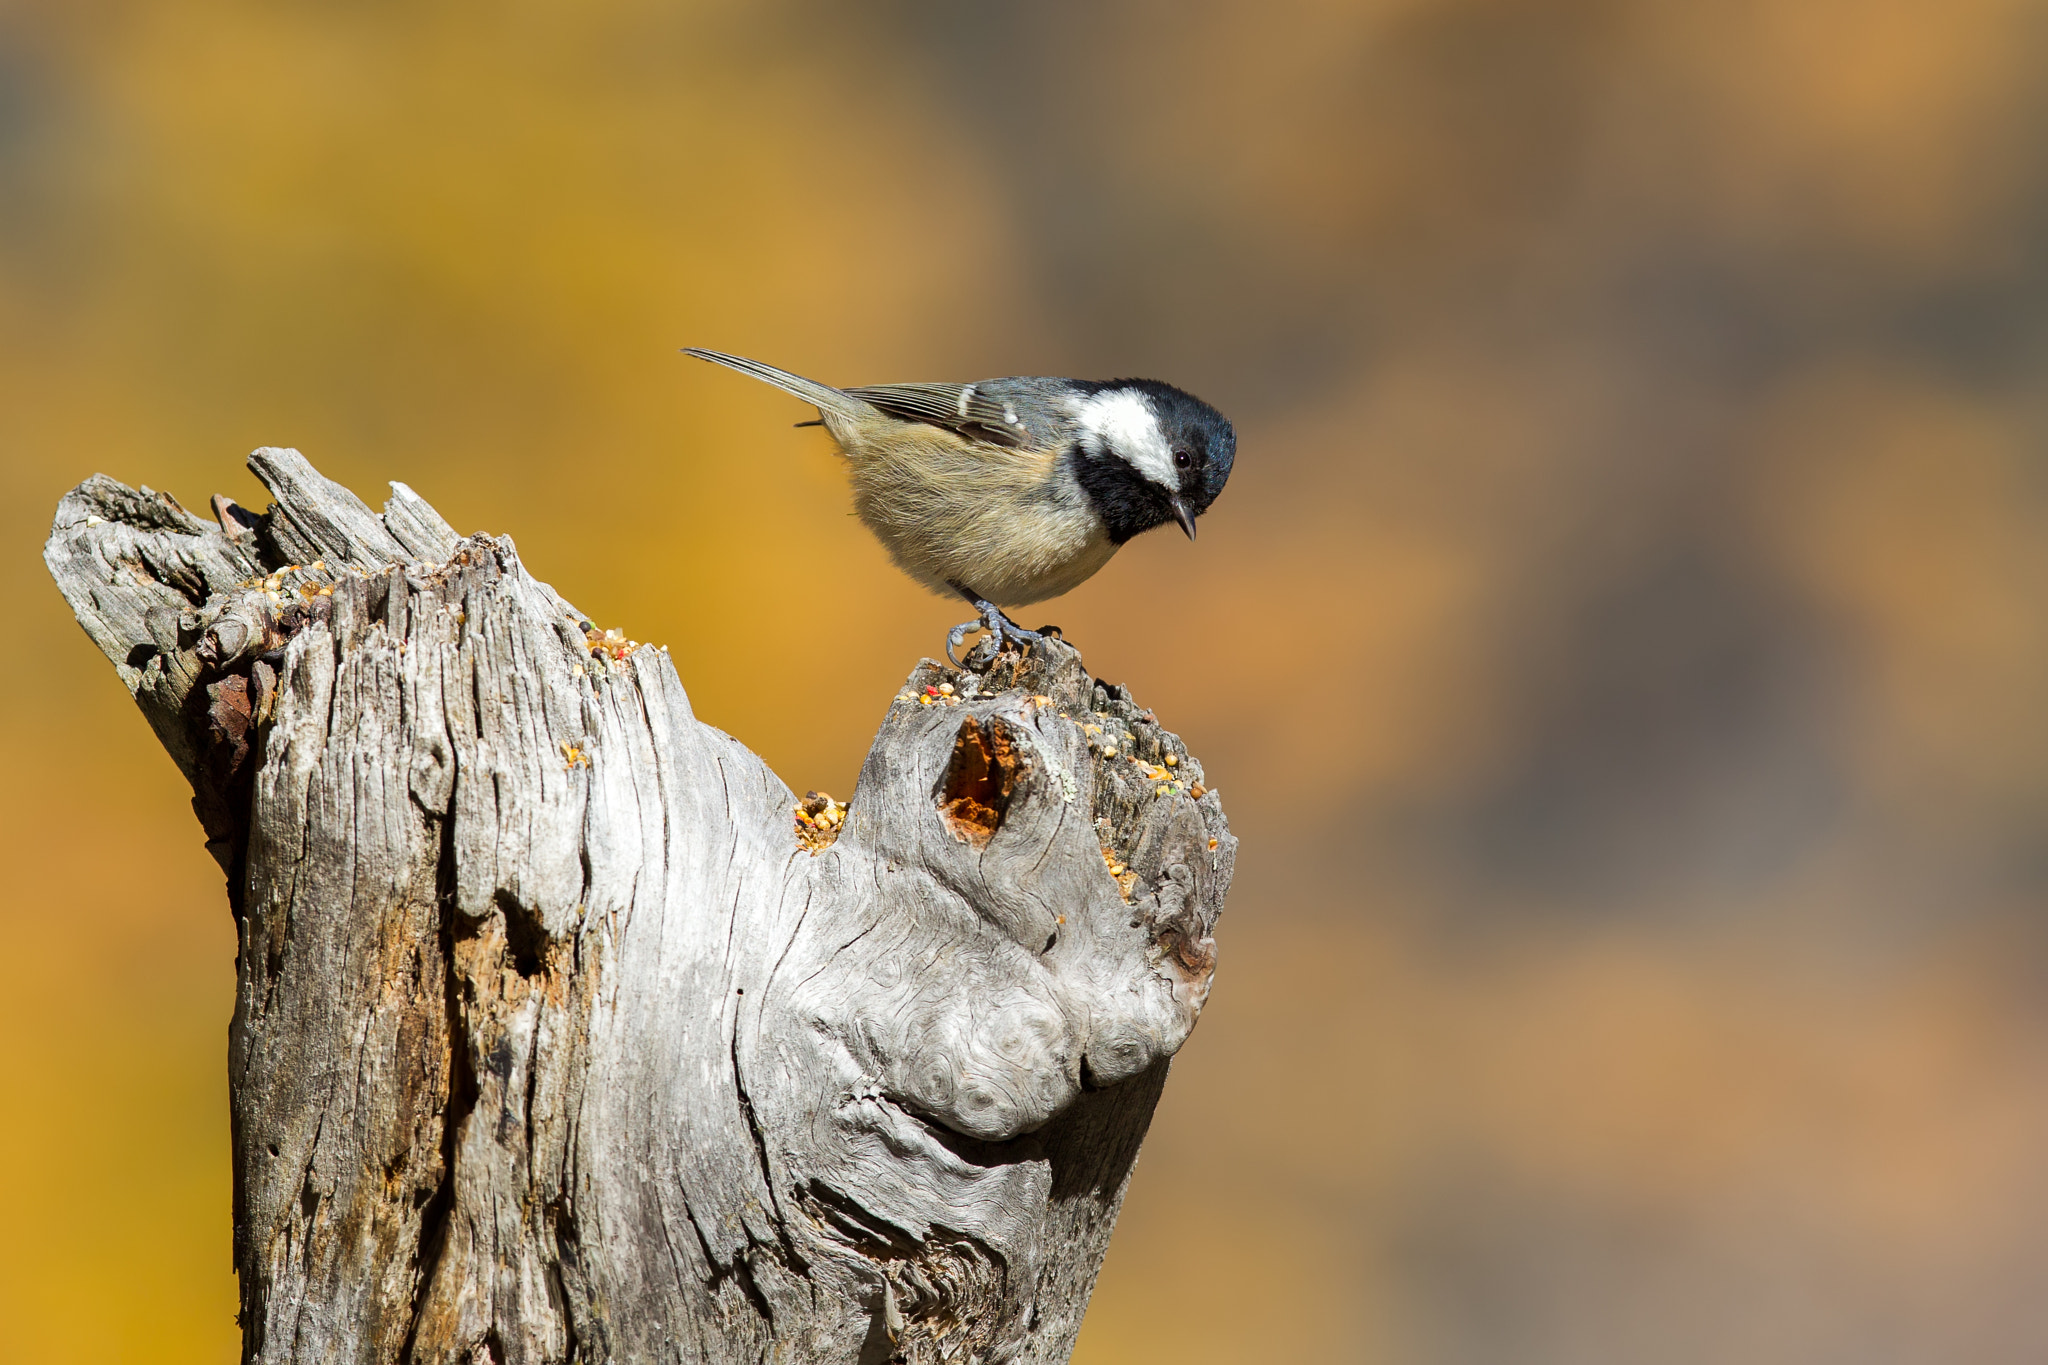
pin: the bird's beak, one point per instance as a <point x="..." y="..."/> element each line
<point x="1186" y="518"/>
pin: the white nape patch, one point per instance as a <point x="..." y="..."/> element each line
<point x="1124" y="424"/>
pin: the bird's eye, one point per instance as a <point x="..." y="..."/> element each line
<point x="1181" y="459"/>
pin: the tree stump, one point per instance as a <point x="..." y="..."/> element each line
<point x="564" y="1032"/>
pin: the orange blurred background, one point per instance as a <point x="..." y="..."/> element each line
<point x="1622" y="647"/>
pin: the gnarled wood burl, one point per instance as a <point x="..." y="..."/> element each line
<point x="552" y="1042"/>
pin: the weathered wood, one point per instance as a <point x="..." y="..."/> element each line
<point x="554" y="1040"/>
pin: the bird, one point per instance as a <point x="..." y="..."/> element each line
<point x="1005" y="492"/>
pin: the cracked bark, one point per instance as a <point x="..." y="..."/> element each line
<point x="563" y="1032"/>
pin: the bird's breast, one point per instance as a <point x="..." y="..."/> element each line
<point x="1011" y="525"/>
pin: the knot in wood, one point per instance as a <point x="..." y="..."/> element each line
<point x="974" y="792"/>
<point x="1174" y="911"/>
<point x="225" y="642"/>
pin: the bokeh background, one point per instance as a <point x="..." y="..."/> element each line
<point x="1622" y="648"/>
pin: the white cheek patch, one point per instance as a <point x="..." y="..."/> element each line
<point x="1123" y="422"/>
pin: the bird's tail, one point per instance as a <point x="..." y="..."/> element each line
<point x="823" y="396"/>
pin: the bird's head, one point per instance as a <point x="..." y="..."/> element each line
<point x="1148" y="453"/>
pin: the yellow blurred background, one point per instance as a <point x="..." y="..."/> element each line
<point x="1622" y="648"/>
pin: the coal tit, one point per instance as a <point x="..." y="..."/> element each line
<point x="1009" y="491"/>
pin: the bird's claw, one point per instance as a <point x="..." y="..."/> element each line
<point x="955" y="636"/>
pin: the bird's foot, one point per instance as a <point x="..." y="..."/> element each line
<point x="1006" y="632"/>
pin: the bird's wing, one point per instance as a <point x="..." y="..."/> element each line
<point x="1005" y="412"/>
